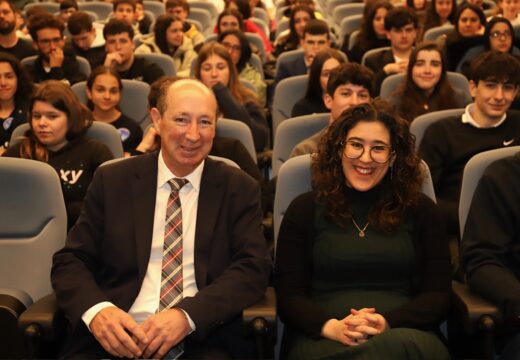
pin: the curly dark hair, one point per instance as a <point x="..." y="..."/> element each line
<point x="402" y="184"/>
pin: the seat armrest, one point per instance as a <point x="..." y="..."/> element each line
<point x="261" y="316"/>
<point x="474" y="312"/>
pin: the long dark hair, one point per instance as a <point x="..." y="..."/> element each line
<point x="432" y="17"/>
<point x="367" y="34"/>
<point x="477" y="10"/>
<point x="414" y="99"/>
<point x="314" y="90"/>
<point x="60" y="96"/>
<point x="25" y="86"/>
<point x="245" y="48"/>
<point x="231" y="12"/>
<point x="401" y="190"/>
<point x="162" y="24"/>
<point x="489" y="26"/>
<point x="292" y="39"/>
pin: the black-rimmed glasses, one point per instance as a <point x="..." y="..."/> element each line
<point x="378" y="153"/>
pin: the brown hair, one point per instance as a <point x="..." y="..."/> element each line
<point x="239" y="91"/>
<point x="60" y="96"/>
<point x="401" y="189"/>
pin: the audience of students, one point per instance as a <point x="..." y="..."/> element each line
<point x="300" y="16"/>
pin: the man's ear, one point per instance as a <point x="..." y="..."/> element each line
<point x="156" y="119"/>
<point x="327" y="100"/>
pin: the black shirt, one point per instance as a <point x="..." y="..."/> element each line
<point x="130" y="132"/>
<point x="22" y="49"/>
<point x="142" y="70"/>
<point x="16" y="118"/>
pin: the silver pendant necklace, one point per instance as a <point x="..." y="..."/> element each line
<point x="361" y="231"/>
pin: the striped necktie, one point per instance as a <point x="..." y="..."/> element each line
<point x="171" y="276"/>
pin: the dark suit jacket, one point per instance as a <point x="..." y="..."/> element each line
<point x="291" y="68"/>
<point x="376" y="63"/>
<point x="107" y="251"/>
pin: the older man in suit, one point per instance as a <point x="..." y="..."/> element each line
<point x="168" y="249"/>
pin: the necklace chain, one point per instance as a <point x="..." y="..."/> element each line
<point x="361" y="231"/>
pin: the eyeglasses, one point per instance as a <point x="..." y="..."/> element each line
<point x="503" y="35"/>
<point x="378" y="153"/>
<point x="47" y="42"/>
<point x="232" y="47"/>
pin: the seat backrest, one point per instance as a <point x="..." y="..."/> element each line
<point x="261" y="14"/>
<point x="202" y="16"/>
<point x="433" y="33"/>
<point x="49" y="6"/>
<point x="237" y="130"/>
<point x="224" y="160"/>
<point x="256" y="62"/>
<point x="164" y="61"/>
<point x="294" y="178"/>
<point x="469" y="55"/>
<point x="256" y="41"/>
<point x="102" y="9"/>
<point x="281" y="27"/>
<point x="287" y="57"/>
<point x="373" y="52"/>
<point x="134" y="99"/>
<point x="157" y="8"/>
<point x="353" y="39"/>
<point x="206" y="5"/>
<point x="419" y="125"/>
<point x="473" y="171"/>
<point x="287" y="93"/>
<point x="349" y="24"/>
<point x="346" y="10"/>
<point x="105" y="133"/>
<point x="84" y="65"/>
<point x="261" y="25"/>
<point x="33" y="225"/>
<point x="291" y="132"/>
<point x="457" y="81"/>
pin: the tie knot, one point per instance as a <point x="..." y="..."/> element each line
<point x="176" y="184"/>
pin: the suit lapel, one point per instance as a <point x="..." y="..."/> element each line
<point x="210" y="199"/>
<point x="144" y="191"/>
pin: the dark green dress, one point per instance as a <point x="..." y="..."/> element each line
<point x="350" y="271"/>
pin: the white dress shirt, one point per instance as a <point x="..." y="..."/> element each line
<point x="147" y="301"/>
<point x="467" y="117"/>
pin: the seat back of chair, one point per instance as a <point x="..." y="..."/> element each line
<point x="287" y="93"/>
<point x="473" y="171"/>
<point x="346" y="10"/>
<point x="433" y="33"/>
<point x="101" y="8"/>
<point x="421" y="123"/>
<point x="373" y="52"/>
<point x="164" y="61"/>
<point x="105" y="133"/>
<point x="134" y="99"/>
<point x="157" y="8"/>
<point x="49" y="6"/>
<point x="237" y="130"/>
<point x="206" y="5"/>
<point x="33" y="225"/>
<point x="349" y="25"/>
<point x="291" y="132"/>
<point x="256" y="42"/>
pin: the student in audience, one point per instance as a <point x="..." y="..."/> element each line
<point x="470" y="24"/>
<point x="104" y="88"/>
<point x="120" y="54"/>
<point x="124" y="10"/>
<point x="486" y="124"/>
<point x="16" y="88"/>
<point x="426" y="87"/>
<point x="229" y="19"/>
<point x="439" y="13"/>
<point x="168" y="38"/>
<point x="144" y="21"/>
<point x="316" y="37"/>
<point x="300" y="16"/>
<point x="10" y="42"/>
<point x="349" y="84"/>
<point x="217" y="71"/>
<point x="249" y="26"/>
<point x="52" y="62"/>
<point x="67" y="8"/>
<point x="240" y="51"/>
<point x="401" y="30"/>
<point x="509" y="9"/>
<point x="362" y="263"/>
<point x="325" y="61"/>
<point x="372" y="33"/>
<point x="490" y="248"/>
<point x="499" y="35"/>
<point x="84" y="40"/>
<point x="181" y="9"/>
<point x="58" y="124"/>
<point x="417" y="5"/>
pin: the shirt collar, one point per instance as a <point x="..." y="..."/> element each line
<point x="467" y="118"/>
<point x="164" y="174"/>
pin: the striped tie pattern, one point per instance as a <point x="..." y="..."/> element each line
<point x="171" y="276"/>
